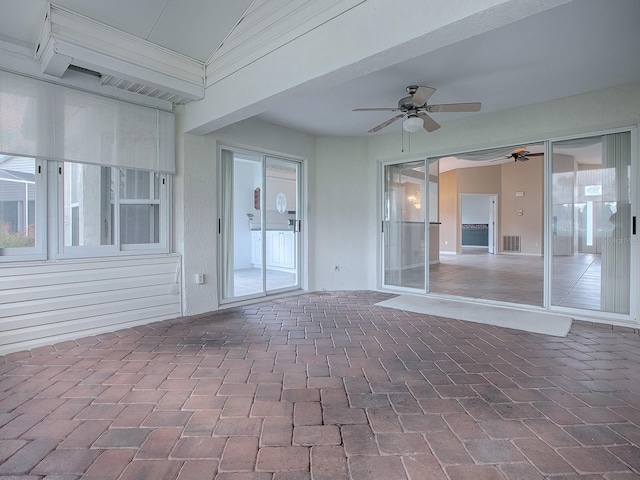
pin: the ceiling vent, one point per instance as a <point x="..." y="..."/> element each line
<point x="147" y="91"/>
<point x="124" y="62"/>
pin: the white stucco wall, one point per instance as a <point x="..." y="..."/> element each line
<point x="196" y="172"/>
<point x="344" y="215"/>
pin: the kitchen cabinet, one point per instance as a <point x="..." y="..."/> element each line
<point x="280" y="249"/>
<point x="256" y="249"/>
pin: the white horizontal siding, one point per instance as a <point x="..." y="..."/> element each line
<point x="42" y="303"/>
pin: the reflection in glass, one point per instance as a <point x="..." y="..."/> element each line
<point x="139" y="207"/>
<point x="88" y="204"/>
<point x="404" y="225"/>
<point x="17" y="202"/>
<point x="590" y="223"/>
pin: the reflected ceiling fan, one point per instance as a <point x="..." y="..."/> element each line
<point x="522" y="155"/>
<point x="414" y="110"/>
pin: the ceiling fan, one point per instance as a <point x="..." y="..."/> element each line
<point x="522" y="155"/>
<point x="414" y="110"/>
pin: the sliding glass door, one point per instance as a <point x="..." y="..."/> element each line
<point x="259" y="225"/>
<point x="564" y="213"/>
<point x="591" y="223"/>
<point x="404" y="239"/>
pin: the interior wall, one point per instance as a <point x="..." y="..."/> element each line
<point x="503" y="180"/>
<point x="449" y="199"/>
<point x="525" y="177"/>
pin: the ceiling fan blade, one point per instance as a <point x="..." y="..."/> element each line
<point x="428" y="123"/>
<point x="384" y="124"/>
<point x="422" y="95"/>
<point x="376" y="109"/>
<point x="535" y="154"/>
<point x="455" y="107"/>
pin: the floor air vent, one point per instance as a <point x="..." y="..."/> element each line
<point x="511" y="243"/>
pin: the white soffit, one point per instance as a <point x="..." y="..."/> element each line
<point x="68" y="38"/>
<point x="266" y="26"/>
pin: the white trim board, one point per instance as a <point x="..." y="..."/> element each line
<point x="500" y="316"/>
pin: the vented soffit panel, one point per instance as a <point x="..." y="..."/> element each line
<point x="123" y="61"/>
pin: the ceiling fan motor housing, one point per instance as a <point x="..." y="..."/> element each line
<point x="414" y="108"/>
<point x="405" y="104"/>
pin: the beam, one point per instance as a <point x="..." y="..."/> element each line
<point x="371" y="36"/>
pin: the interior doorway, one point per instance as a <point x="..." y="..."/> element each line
<point x="478" y="215"/>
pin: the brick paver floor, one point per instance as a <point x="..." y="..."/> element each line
<point x="323" y="386"/>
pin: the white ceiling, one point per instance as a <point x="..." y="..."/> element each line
<point x="581" y="46"/>
<point x="192" y="27"/>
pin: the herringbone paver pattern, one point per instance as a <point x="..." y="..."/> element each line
<point x="323" y="386"/>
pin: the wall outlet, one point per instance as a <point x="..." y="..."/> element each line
<point x="336" y="268"/>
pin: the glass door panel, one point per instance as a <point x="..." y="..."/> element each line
<point x="591" y="223"/>
<point x="259" y="225"/>
<point x="241" y="233"/>
<point x="404" y="221"/>
<point x="281" y="223"/>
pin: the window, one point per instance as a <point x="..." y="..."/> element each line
<point x="88" y="205"/>
<point x="106" y="210"/>
<point x="108" y="189"/>
<point x="139" y="207"/>
<point x="101" y="210"/>
<point x="21" y="207"/>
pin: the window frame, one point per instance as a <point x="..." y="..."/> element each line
<point x="39" y="251"/>
<point x="117" y="248"/>
<point x="162" y="201"/>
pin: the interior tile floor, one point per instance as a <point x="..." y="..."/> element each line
<point x="248" y="281"/>
<point x="324" y="386"/>
<point x="518" y="278"/>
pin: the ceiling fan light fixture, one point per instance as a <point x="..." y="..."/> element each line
<point x="412" y="124"/>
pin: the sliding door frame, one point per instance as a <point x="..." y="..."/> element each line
<point x="383" y="209"/>
<point x="580" y="314"/>
<point x="299" y="226"/>
<point x="634" y="278"/>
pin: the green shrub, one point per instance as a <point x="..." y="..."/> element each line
<point x="17" y="239"/>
